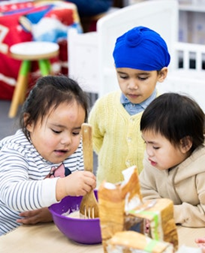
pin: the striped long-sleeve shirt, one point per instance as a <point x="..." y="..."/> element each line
<point x="23" y="185"/>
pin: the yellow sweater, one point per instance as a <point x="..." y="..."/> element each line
<point x="116" y="138"/>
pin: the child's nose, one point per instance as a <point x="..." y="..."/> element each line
<point x="149" y="150"/>
<point x="66" y="139"/>
<point x="133" y="84"/>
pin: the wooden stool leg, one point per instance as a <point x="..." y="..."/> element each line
<point x="20" y="89"/>
<point x="25" y="71"/>
<point x="45" y="67"/>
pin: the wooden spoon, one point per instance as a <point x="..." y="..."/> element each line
<point x="89" y="205"/>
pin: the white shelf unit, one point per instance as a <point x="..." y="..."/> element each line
<point x="192" y="22"/>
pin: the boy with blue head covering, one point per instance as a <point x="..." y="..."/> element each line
<point x="141" y="59"/>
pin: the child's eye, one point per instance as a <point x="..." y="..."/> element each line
<point x="155" y="147"/>
<point x="123" y="77"/>
<point x="76" y="133"/>
<point x="56" y="132"/>
<point x="142" y="78"/>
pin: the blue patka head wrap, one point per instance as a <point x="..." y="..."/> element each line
<point x="141" y="48"/>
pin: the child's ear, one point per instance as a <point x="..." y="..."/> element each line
<point x="186" y="144"/>
<point x="162" y="74"/>
<point x="29" y="126"/>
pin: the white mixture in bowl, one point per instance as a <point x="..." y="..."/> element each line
<point x="74" y="214"/>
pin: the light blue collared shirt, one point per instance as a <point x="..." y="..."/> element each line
<point x="133" y="109"/>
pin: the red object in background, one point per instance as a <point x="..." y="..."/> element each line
<point x="12" y="32"/>
<point x="63" y="56"/>
<point x="17" y="7"/>
<point x="65" y="16"/>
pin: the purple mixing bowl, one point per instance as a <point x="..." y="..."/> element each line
<point x="86" y="231"/>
